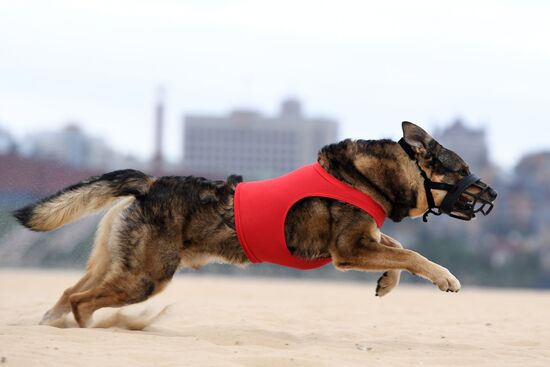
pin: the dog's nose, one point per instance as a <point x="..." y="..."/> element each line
<point x="492" y="194"/>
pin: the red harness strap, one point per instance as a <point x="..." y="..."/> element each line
<point x="262" y="206"/>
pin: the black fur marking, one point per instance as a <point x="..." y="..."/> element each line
<point x="146" y="288"/>
<point x="234" y="180"/>
<point x="344" y="264"/>
<point x="126" y="182"/>
<point x="169" y="269"/>
<point x="23" y="215"/>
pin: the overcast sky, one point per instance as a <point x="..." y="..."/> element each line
<point x="368" y="64"/>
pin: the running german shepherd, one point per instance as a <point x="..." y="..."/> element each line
<point x="155" y="225"/>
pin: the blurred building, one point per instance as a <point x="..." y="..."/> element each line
<point x="469" y="143"/>
<point x="257" y="146"/>
<point x="534" y="170"/>
<point x="7" y="143"/>
<point x="532" y="182"/>
<point x="75" y="148"/>
<point x="69" y="145"/>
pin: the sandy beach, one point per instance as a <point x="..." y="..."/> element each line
<point x="215" y="321"/>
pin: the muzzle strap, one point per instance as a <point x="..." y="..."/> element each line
<point x="454" y="193"/>
<point x="452" y="204"/>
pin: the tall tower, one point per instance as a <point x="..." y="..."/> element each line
<point x="159" y="126"/>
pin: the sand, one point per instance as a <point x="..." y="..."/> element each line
<point x="216" y="321"/>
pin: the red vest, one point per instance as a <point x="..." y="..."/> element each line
<point x="262" y="206"/>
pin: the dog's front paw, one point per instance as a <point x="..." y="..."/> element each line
<point x="388" y="281"/>
<point x="447" y="282"/>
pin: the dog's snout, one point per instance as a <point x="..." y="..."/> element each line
<point x="492" y="193"/>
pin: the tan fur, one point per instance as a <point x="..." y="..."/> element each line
<point x="374" y="256"/>
<point x="72" y="205"/>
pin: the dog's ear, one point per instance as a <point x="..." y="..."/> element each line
<point x="416" y="137"/>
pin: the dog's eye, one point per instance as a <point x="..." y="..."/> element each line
<point x="464" y="172"/>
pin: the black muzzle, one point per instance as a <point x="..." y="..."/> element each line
<point x="458" y="202"/>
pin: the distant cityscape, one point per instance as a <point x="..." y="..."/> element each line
<point x="244" y="142"/>
<point x="254" y="145"/>
<point x="514" y="242"/>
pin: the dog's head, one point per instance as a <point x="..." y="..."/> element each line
<point x="450" y="186"/>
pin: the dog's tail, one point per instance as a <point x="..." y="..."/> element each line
<point x="82" y="199"/>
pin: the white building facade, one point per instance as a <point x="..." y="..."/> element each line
<point x="256" y="146"/>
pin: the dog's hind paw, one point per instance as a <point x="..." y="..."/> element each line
<point x="56" y="319"/>
<point x="388" y="281"/>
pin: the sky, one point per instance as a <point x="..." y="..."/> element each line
<point x="370" y="65"/>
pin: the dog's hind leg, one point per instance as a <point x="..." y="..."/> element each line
<point x="390" y="279"/>
<point x="143" y="262"/>
<point x="96" y="268"/>
<point x="118" y="291"/>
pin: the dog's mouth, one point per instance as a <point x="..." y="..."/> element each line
<point x="465" y="199"/>
<point x="469" y="204"/>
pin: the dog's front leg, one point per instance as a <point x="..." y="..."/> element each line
<point x="390" y="279"/>
<point x="370" y="255"/>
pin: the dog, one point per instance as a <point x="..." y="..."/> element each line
<point x="156" y="225"/>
